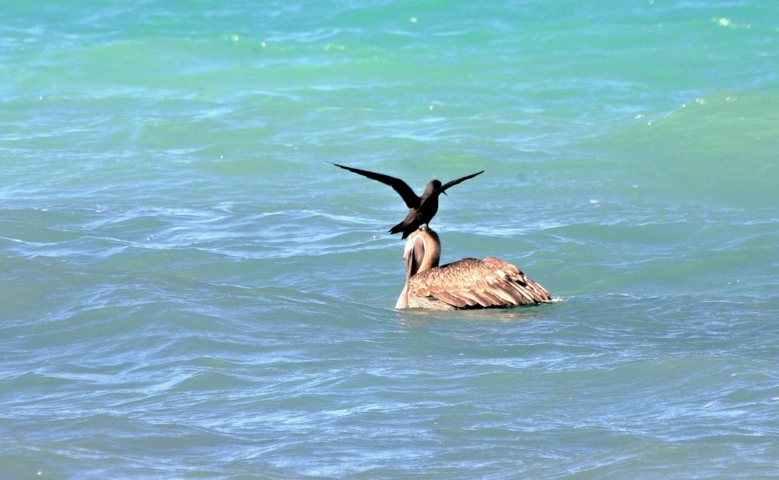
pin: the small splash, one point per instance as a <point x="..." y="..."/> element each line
<point x="640" y="115"/>
<point x="430" y="107"/>
<point x="728" y="23"/>
<point x="594" y="202"/>
<point x="413" y="19"/>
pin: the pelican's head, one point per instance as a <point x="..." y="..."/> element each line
<point x="422" y="252"/>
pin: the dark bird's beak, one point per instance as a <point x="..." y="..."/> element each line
<point x="445" y="193"/>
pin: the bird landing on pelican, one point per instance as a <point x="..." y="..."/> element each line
<point x="465" y="284"/>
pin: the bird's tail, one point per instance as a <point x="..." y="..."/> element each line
<point x="397" y="229"/>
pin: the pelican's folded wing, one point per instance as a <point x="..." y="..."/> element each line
<point x="472" y="283"/>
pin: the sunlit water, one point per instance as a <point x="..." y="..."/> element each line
<point x="188" y="289"/>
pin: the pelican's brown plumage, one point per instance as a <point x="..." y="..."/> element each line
<point x="466" y="283"/>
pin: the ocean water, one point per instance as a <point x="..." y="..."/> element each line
<point x="188" y="289"/>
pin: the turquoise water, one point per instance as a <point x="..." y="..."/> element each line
<point x="189" y="290"/>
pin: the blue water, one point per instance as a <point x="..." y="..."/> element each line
<point x="188" y="289"/>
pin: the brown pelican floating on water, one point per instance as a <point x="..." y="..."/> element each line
<point x="466" y="283"/>
<point x="420" y="209"/>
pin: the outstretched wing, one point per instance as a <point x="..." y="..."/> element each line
<point x="411" y="198"/>
<point x="443" y="187"/>
<point x="471" y="283"/>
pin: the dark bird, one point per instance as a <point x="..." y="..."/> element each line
<point x="465" y="284"/>
<point x="420" y="209"/>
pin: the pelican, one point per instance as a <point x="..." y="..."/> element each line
<point x="464" y="284"/>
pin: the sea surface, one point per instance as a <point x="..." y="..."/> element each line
<point x="189" y="289"/>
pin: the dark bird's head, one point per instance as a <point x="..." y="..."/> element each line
<point x="431" y="187"/>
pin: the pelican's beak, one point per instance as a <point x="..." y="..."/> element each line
<point x="413" y="255"/>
